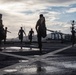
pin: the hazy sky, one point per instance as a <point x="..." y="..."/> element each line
<point x="17" y="13"/>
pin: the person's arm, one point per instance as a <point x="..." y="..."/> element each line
<point x="18" y="32"/>
<point x="8" y="31"/>
<point x="33" y="33"/>
<point x="24" y="33"/>
<point x="37" y="24"/>
<point x="36" y="27"/>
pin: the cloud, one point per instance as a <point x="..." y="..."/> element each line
<point x="71" y="10"/>
<point x="55" y="2"/>
<point x="17" y="13"/>
<point x="10" y="1"/>
<point x="34" y="2"/>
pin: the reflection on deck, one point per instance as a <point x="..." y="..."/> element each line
<point x="17" y="49"/>
<point x="46" y="64"/>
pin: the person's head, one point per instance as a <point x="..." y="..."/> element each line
<point x="21" y="27"/>
<point x="0" y="16"/>
<point x="6" y="28"/>
<point x="31" y="29"/>
<point x="41" y="15"/>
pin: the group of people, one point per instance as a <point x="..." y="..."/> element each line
<point x="41" y="31"/>
<point x="40" y="28"/>
<point x="21" y="32"/>
<point x="3" y="32"/>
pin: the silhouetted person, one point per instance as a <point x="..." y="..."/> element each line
<point x="73" y="37"/>
<point x="20" y="33"/>
<point x="1" y="30"/>
<point x="6" y="34"/>
<point x="73" y="32"/>
<point x="30" y="35"/>
<point x="41" y="30"/>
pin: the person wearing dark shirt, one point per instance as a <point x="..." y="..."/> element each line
<point x="20" y="34"/>
<point x="41" y="30"/>
<point x="30" y="35"/>
<point x="2" y="35"/>
<point x="5" y="31"/>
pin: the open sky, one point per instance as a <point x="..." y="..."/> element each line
<point x="25" y="13"/>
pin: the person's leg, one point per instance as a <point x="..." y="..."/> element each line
<point x="30" y="41"/>
<point x="4" y="40"/>
<point x="73" y="41"/>
<point x="21" y="41"/>
<point x="40" y="43"/>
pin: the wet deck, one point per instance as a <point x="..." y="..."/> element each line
<point x="25" y="59"/>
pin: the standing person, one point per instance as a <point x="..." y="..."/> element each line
<point x="30" y="35"/>
<point x="20" y="34"/>
<point x="73" y="37"/>
<point x="2" y="34"/>
<point x="73" y="33"/>
<point x="41" y="30"/>
<point x="5" y="30"/>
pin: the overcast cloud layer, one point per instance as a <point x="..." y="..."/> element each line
<point x="17" y="13"/>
